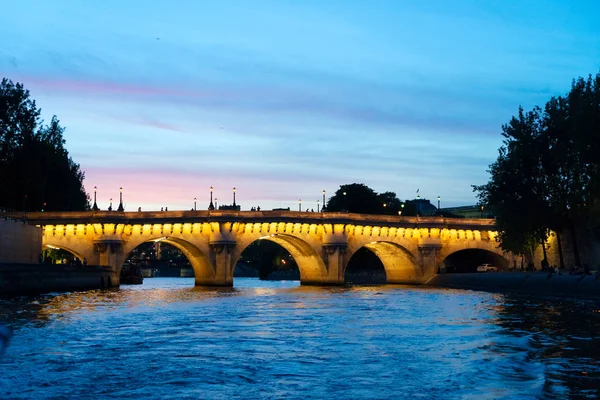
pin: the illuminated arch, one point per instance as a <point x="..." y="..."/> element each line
<point x="495" y="256"/>
<point x="200" y="263"/>
<point x="65" y="248"/>
<point x="399" y="263"/>
<point x="310" y="264"/>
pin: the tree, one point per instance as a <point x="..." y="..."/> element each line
<point x="359" y="198"/>
<point x="391" y="204"/>
<point x="517" y="193"/>
<point x="36" y="171"/>
<point x="355" y="198"/>
<point x="547" y="175"/>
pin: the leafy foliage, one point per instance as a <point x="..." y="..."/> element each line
<point x="36" y="172"/>
<point x="547" y="174"/>
<point x="359" y="198"/>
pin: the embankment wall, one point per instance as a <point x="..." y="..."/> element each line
<point x="534" y="283"/>
<point x="19" y="242"/>
<point x="23" y="279"/>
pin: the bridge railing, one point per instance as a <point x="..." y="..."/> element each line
<point x="145" y="217"/>
<point x="11" y="215"/>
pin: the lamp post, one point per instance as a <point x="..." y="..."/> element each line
<point x="481" y="211"/>
<point x="438" y="203"/>
<point x="95" y="206"/>
<point x="216" y="204"/>
<point x="121" y="208"/>
<point x="211" y="206"/>
<point x="323" y="209"/>
<point x="110" y="205"/>
<point x="300" y="205"/>
<point x="317" y="205"/>
<point x="345" y="203"/>
<point x="195" y="204"/>
<point x="401" y="209"/>
<point x="234" y="197"/>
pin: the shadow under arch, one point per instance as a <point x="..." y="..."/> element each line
<point x="59" y="247"/>
<point x="203" y="268"/>
<point x="399" y="264"/>
<point x="310" y="264"/>
<point x="467" y="260"/>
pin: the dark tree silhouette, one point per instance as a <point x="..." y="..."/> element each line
<point x="547" y="175"/>
<point x="355" y="198"/>
<point x="359" y="198"/>
<point x="36" y="171"/>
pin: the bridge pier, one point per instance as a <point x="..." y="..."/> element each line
<point x="223" y="268"/>
<point x="110" y="253"/>
<point x="334" y="257"/>
<point x="429" y="249"/>
<point x="220" y="273"/>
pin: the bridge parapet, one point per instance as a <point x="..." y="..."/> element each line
<point x="152" y="217"/>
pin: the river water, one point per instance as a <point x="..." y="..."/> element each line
<point x="261" y="339"/>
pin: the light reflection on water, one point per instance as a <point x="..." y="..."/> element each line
<point x="168" y="339"/>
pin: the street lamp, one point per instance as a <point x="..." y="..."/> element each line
<point x="481" y="211"/>
<point x="438" y="203"/>
<point x="95" y="206"/>
<point x="317" y="205"/>
<point x="195" y="204"/>
<point x="121" y="208"/>
<point x="323" y="209"/>
<point x="110" y="205"/>
<point x="216" y="204"/>
<point x="300" y="205"/>
<point x="345" y="203"/>
<point x="234" y="197"/>
<point x="211" y="206"/>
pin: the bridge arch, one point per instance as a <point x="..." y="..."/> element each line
<point x="310" y="263"/>
<point x="202" y="266"/>
<point x="467" y="259"/>
<point x="77" y="254"/>
<point x="399" y="263"/>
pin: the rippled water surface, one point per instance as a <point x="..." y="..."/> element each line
<point x="166" y="339"/>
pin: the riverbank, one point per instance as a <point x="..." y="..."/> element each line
<point x="23" y="279"/>
<point x="534" y="283"/>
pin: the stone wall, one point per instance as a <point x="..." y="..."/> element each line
<point x="589" y="250"/>
<point x="19" y="242"/>
<point x="22" y="279"/>
<point x="535" y="283"/>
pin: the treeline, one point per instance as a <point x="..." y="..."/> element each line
<point x="36" y="171"/>
<point x="547" y="175"/>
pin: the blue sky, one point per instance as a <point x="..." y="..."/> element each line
<point x="283" y="99"/>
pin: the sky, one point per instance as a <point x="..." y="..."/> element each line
<point x="282" y="99"/>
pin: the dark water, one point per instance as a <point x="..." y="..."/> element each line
<point x="169" y="340"/>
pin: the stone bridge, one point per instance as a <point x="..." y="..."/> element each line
<point x="411" y="249"/>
